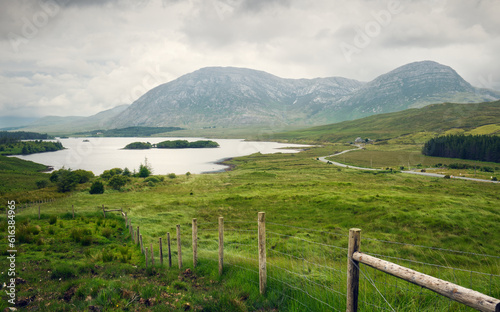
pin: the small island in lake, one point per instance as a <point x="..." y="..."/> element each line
<point x="139" y="145"/>
<point x="173" y="144"/>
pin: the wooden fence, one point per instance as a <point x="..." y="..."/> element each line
<point x="355" y="257"/>
<point x="454" y="292"/>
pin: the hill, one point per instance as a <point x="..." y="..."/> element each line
<point x="436" y="118"/>
<point x="238" y="97"/>
<point x="70" y="124"/>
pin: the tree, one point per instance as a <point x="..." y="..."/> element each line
<point x="66" y="180"/>
<point x="117" y="182"/>
<point x="126" y="172"/>
<point x="144" y="171"/>
<point x="83" y="175"/>
<point x="96" y="188"/>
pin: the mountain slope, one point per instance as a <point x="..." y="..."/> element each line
<point x="411" y="86"/>
<point x="55" y="124"/>
<point x="437" y="118"/>
<point x="230" y="96"/>
<point x="238" y="97"/>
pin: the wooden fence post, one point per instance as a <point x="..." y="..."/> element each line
<point x="179" y="251"/>
<point x="138" y="237"/>
<point x="161" y="252"/>
<point x="353" y="270"/>
<point x="152" y="256"/>
<point x="73" y="208"/>
<point x="142" y="246"/>
<point x="262" y="253"/>
<point x="38" y="212"/>
<point x="221" y="245"/>
<point x="195" y="242"/>
<point x="146" y="257"/>
<point x="103" y="212"/>
<point x="169" y="251"/>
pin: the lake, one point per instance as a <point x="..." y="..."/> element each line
<point x="99" y="154"/>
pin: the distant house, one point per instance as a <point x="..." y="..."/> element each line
<point x="359" y="140"/>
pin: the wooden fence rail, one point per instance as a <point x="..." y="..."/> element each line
<point x="355" y="258"/>
<point x="452" y="291"/>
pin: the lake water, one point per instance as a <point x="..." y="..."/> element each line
<point x="101" y="154"/>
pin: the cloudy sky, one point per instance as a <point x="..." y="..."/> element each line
<point x="79" y="57"/>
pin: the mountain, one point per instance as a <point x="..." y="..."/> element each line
<point x="416" y="123"/>
<point x="239" y="97"/>
<point x="14" y="122"/>
<point x="411" y="86"/>
<point x="230" y="96"/>
<point x="72" y="124"/>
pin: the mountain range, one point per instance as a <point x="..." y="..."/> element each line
<point x="230" y="97"/>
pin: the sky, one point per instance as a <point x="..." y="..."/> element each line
<point x="79" y="57"/>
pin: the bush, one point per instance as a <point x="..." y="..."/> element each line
<point x="487" y="169"/>
<point x="117" y="181"/>
<point x="53" y="220"/>
<point x="126" y="172"/>
<point x="144" y="171"/>
<point x="172" y="175"/>
<point x="96" y="188"/>
<point x="65" y="179"/>
<point x="106" y="232"/>
<point x="152" y="179"/>
<point x="447" y="176"/>
<point x="494" y="179"/>
<point x="107" y="256"/>
<point x="83" y="236"/>
<point x="40" y="184"/>
<point x="83" y="175"/>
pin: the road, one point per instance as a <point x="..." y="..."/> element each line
<point x="323" y="159"/>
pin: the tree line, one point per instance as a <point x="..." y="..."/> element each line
<point x="473" y="147"/>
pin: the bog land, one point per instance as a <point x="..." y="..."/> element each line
<point x="293" y="189"/>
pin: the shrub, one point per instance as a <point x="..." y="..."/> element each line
<point x="40" y="184"/>
<point x="494" y="179"/>
<point x="126" y="172"/>
<point x="172" y="175"/>
<point x="152" y="179"/>
<point x="447" y="176"/>
<point x="117" y="181"/>
<point x="65" y="179"/>
<point x="487" y="169"/>
<point x="96" y="188"/>
<point x="83" y="175"/>
<point x="144" y="171"/>
<point x="106" y="232"/>
<point x="53" y="220"/>
<point x="83" y="236"/>
<point x="107" y="256"/>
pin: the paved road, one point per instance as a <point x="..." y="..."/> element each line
<point x="427" y="174"/>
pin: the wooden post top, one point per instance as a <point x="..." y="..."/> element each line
<point x="262" y="216"/>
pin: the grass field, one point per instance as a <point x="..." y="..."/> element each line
<point x="432" y="120"/>
<point x="396" y="156"/>
<point x="304" y="200"/>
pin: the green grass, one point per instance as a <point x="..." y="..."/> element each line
<point x="434" y="119"/>
<point x="294" y="190"/>
<point x="56" y="273"/>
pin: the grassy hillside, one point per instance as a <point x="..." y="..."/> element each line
<point x="18" y="180"/>
<point x="301" y="193"/>
<point x="434" y="119"/>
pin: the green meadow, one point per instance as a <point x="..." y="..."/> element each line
<point x="310" y="207"/>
